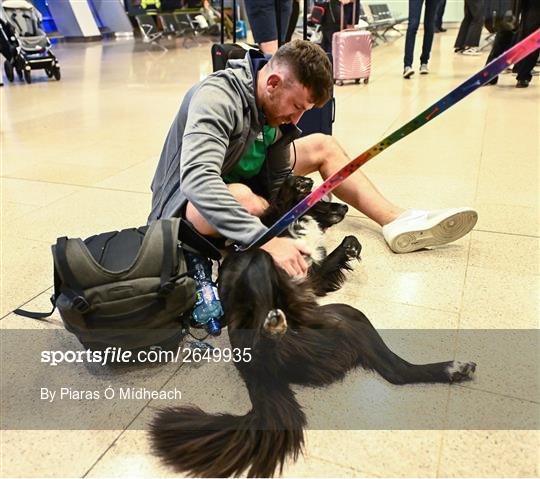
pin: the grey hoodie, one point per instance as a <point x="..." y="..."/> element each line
<point x="217" y="123"/>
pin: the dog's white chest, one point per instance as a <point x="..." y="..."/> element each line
<point x="307" y="230"/>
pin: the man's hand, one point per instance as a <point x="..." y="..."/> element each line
<point x="288" y="254"/>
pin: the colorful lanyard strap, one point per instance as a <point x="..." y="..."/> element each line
<point x="513" y="55"/>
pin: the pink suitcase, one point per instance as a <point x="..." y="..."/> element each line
<point x="351" y="51"/>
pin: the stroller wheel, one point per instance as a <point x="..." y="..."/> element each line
<point x="56" y="73"/>
<point x="49" y="72"/>
<point x="8" y="68"/>
<point x="27" y="76"/>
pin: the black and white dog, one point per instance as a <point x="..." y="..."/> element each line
<point x="294" y="341"/>
<point x="326" y="271"/>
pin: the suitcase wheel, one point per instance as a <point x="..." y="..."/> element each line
<point x="366" y="81"/>
<point x="357" y="81"/>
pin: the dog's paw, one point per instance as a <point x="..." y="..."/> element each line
<point x="459" y="371"/>
<point x="275" y="323"/>
<point x="303" y="186"/>
<point x="352" y="247"/>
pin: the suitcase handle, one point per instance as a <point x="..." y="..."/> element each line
<point x="342" y="22"/>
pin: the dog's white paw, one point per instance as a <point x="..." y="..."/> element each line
<point x="459" y="371"/>
<point x="275" y="322"/>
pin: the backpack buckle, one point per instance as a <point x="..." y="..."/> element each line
<point x="80" y="304"/>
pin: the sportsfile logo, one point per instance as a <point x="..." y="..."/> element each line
<point x="155" y="354"/>
<point x="109" y="355"/>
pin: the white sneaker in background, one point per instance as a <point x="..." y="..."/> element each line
<point x="472" y="52"/>
<point x="424" y="70"/>
<point x="417" y="229"/>
<point x="408" y="72"/>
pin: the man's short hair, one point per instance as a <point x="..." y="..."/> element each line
<point x="310" y="65"/>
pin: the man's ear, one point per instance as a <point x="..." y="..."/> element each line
<point x="273" y="81"/>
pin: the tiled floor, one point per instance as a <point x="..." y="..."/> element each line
<point x="78" y="156"/>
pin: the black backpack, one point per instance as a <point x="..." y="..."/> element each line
<point x="128" y="288"/>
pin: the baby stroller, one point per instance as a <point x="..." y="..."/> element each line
<point x="24" y="44"/>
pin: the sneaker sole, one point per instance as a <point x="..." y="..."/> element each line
<point x="440" y="232"/>
<point x="424" y="73"/>
<point x="408" y="75"/>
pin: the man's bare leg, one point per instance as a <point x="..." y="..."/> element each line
<point x="323" y="153"/>
<point x="404" y="231"/>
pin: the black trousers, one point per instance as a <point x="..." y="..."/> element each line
<point x="439" y="15"/>
<point x="529" y="22"/>
<point x="472" y="24"/>
<point x="293" y="20"/>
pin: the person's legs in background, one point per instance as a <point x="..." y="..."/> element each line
<point x="459" y="45"/>
<point x="530" y="22"/>
<point x="415" y="10"/>
<point x="262" y="20"/>
<point x="502" y="42"/>
<point x="429" y="32"/>
<point x="331" y="23"/>
<point x="439" y="17"/>
<point x="293" y="20"/>
<point x="476" y="8"/>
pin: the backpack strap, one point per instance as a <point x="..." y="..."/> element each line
<point x="166" y="286"/>
<point x="63" y="265"/>
<point x="54" y="297"/>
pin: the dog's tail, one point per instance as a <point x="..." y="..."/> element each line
<point x="224" y="445"/>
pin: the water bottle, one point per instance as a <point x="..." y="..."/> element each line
<point x="207" y="309"/>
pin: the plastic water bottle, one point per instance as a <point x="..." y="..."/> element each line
<point x="207" y="309"/>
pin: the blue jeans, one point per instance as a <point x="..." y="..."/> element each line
<point x="415" y="10"/>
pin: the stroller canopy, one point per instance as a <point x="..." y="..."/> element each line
<point x="24" y="17"/>
<point x="25" y="20"/>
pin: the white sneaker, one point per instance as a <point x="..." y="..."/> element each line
<point x="472" y="52"/>
<point x="424" y="70"/>
<point x="417" y="229"/>
<point x="408" y="72"/>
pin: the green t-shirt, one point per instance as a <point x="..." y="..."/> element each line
<point x="252" y="161"/>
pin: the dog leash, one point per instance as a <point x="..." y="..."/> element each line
<point x="519" y="51"/>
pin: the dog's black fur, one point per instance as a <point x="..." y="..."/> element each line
<point x="294" y="341"/>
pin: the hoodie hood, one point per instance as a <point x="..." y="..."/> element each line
<point x="245" y="74"/>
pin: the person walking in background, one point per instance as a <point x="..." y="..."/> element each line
<point x="262" y="19"/>
<point x="415" y="11"/>
<point x="528" y="12"/>
<point x="439" y="17"/>
<point x="470" y="30"/>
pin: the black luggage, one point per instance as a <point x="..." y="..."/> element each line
<point x="221" y="52"/>
<point x="501" y="15"/>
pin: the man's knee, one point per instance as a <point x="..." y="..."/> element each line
<point x="254" y="204"/>
<point x="317" y="150"/>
